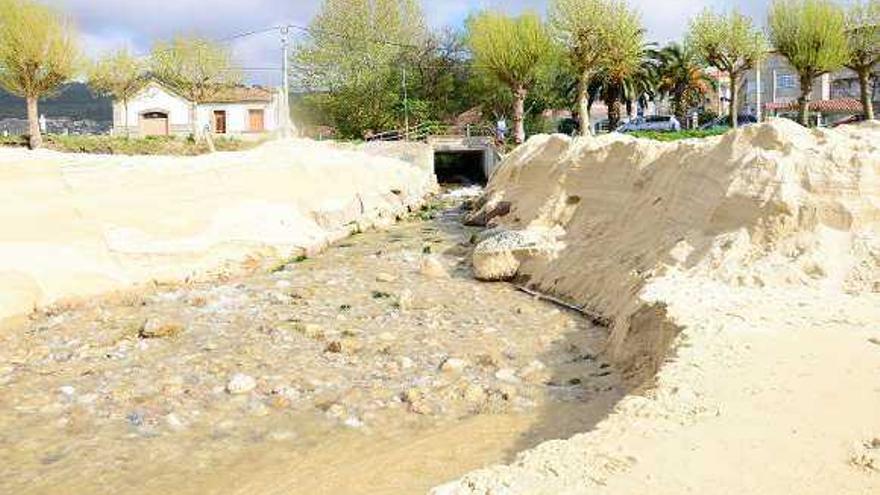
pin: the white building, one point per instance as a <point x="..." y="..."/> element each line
<point x="241" y="111"/>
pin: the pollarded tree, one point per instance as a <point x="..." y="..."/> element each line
<point x="119" y="75"/>
<point x="624" y="57"/>
<point x="513" y="50"/>
<point x="730" y="43"/>
<point x="811" y="35"/>
<point x="38" y="53"/>
<point x="580" y="26"/>
<point x="863" y="32"/>
<point x="195" y="68"/>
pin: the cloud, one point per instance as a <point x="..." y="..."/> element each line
<point x="108" y="24"/>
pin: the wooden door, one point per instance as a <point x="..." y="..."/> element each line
<point x="154" y="124"/>
<point x="256" y="121"/>
<point x="220" y="121"/>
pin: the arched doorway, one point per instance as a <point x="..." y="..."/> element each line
<point x="154" y="123"/>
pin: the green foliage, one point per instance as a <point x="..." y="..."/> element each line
<point x="195" y="68"/>
<point x="513" y="50"/>
<point x="729" y="42"/>
<point x="863" y="35"/>
<point x="38" y="48"/>
<point x="110" y="145"/>
<point x="38" y="53"/>
<point x="679" y="135"/>
<point x="354" y="60"/>
<point x="811" y="35"/>
<point x="118" y="74"/>
<point x="682" y="79"/>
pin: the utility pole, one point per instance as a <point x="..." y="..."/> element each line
<point x="285" y="82"/>
<point x="405" y="107"/>
<point x="759" y="88"/>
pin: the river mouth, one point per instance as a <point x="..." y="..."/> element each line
<point x="380" y="366"/>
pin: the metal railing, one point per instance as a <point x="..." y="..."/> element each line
<point x="423" y="131"/>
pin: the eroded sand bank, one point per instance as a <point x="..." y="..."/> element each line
<point x="75" y="225"/>
<point x="739" y="276"/>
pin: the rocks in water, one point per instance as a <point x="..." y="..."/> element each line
<point x="155" y="328"/>
<point x="310" y="330"/>
<point x="453" y="365"/>
<point x="432" y="267"/>
<point x="534" y="372"/>
<point x="241" y="384"/>
<point x="499" y="256"/>
<point x="405" y="363"/>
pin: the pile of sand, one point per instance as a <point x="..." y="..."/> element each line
<point x="75" y="225"/>
<point x="755" y="256"/>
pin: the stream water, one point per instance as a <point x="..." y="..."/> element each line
<point x="379" y="367"/>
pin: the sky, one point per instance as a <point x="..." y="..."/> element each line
<point x="109" y="24"/>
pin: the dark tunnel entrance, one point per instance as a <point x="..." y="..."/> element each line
<point x="460" y="167"/>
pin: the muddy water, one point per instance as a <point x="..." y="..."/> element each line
<point x="366" y="370"/>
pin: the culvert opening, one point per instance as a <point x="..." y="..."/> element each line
<point x="460" y="167"/>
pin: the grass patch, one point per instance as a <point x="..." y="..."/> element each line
<point x="117" y="145"/>
<point x="679" y="135"/>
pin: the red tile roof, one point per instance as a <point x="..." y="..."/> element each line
<point x="242" y="94"/>
<point x="837" y="105"/>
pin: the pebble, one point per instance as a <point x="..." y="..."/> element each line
<point x="405" y="363"/>
<point x="174" y="422"/>
<point x="507" y="375"/>
<point x="432" y="267"/>
<point x="158" y="329"/>
<point x="241" y="384"/>
<point x="385" y="277"/>
<point x="67" y="390"/>
<point x="453" y="365"/>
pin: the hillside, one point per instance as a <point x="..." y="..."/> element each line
<point x="75" y="100"/>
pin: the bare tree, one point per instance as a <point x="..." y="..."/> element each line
<point x="38" y="53"/>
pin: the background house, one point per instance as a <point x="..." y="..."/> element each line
<point x="833" y="94"/>
<point x="238" y="111"/>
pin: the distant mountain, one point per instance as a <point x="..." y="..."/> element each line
<point x="74" y="100"/>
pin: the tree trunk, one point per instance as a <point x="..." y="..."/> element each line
<point x="194" y="122"/>
<point x="125" y="119"/>
<point x="33" y="115"/>
<point x="680" y="111"/>
<point x="865" y="86"/>
<point x="519" y="103"/>
<point x="804" y="101"/>
<point x="613" y="103"/>
<point x="734" y="100"/>
<point x="584" y="105"/>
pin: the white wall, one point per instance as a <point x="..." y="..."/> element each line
<point x="156" y="98"/>
<point x="153" y="97"/>
<point x="237" y="118"/>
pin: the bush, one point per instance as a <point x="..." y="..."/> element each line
<point x="678" y="135"/>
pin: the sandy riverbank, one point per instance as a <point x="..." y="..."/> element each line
<point x="76" y="225"/>
<point x="739" y="276"/>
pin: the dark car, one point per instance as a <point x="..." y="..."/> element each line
<point x="723" y="122"/>
<point x="852" y="119"/>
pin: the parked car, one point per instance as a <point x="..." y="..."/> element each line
<point x="651" y="123"/>
<point x="724" y="122"/>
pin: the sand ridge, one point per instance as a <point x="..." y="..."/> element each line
<point x="740" y="278"/>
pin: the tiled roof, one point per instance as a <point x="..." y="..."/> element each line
<point x="837" y="105"/>
<point x="242" y="94"/>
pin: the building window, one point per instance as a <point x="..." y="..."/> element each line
<point x="785" y="81"/>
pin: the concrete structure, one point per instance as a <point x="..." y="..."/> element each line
<point x="484" y="145"/>
<point x="240" y="111"/>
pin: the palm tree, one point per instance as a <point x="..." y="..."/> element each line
<point x="637" y="87"/>
<point x="682" y="79"/>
